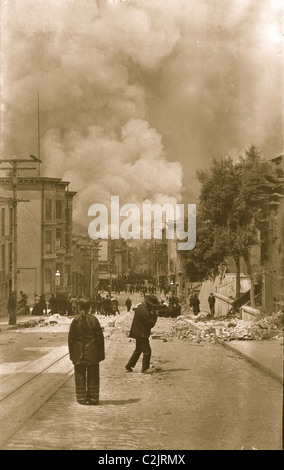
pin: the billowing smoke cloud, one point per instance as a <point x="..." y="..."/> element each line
<point x="131" y="165"/>
<point x="135" y="96"/>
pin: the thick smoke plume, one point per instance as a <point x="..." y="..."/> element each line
<point x="136" y="95"/>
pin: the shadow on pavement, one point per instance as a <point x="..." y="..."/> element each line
<point x="119" y="402"/>
<point x="165" y="371"/>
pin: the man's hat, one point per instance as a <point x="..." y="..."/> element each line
<point x="152" y="300"/>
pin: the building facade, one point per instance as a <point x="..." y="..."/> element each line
<point x="44" y="234"/>
<point x="85" y="266"/>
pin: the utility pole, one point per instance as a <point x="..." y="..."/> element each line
<point x="38" y="136"/>
<point x="15" y="165"/>
<point x="94" y="247"/>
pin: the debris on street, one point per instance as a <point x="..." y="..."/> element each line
<point x="50" y="320"/>
<point x="228" y="329"/>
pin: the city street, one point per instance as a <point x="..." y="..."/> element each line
<point x="196" y="397"/>
<point x="142" y="156"/>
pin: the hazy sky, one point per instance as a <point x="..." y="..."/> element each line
<point x="137" y="95"/>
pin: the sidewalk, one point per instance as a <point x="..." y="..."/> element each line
<point x="266" y="355"/>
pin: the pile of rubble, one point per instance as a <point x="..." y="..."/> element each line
<point x="267" y="328"/>
<point x="50" y="320"/>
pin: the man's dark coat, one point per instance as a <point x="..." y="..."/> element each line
<point x="142" y="322"/>
<point x="86" y="345"/>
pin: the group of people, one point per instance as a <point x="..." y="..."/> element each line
<point x="140" y="288"/>
<point x="105" y="304"/>
<point x="20" y="306"/>
<point x="170" y="307"/>
<point x="87" y="349"/>
<point x="194" y="304"/>
<point x="63" y="304"/>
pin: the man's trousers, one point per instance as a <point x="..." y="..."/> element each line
<point x="87" y="383"/>
<point x="142" y="347"/>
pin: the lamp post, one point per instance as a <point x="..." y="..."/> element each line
<point x="110" y="285"/>
<point x="57" y="281"/>
<point x="110" y="269"/>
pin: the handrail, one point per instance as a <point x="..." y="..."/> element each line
<point x="229" y="282"/>
<point x="255" y="297"/>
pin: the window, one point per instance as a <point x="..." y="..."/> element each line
<point x="11" y="221"/>
<point x="59" y="211"/>
<point x="48" y="241"/>
<point x="58" y="237"/>
<point x="3" y="221"/>
<point x="48" y="209"/>
<point x="10" y="256"/>
<point x="3" y="264"/>
<point x="47" y="281"/>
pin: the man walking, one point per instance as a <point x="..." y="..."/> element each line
<point x="128" y="304"/>
<point x="145" y="318"/>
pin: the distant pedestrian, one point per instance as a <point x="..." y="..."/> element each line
<point x="145" y="318"/>
<point x="98" y="304"/>
<point x="107" y="305"/>
<point x="211" y="301"/>
<point x="114" y="306"/>
<point x="196" y="304"/>
<point x="52" y="304"/>
<point x="74" y="304"/>
<point x="23" y="303"/>
<point x="36" y="298"/>
<point x="42" y="307"/>
<point x="86" y="351"/>
<point x="128" y="304"/>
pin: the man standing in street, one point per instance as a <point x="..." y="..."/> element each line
<point x="86" y="351"/>
<point x="145" y="318"/>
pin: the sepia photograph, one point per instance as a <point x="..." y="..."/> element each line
<point x="141" y="228"/>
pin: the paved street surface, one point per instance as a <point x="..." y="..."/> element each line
<point x="196" y="397"/>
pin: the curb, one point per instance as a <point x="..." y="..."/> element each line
<point x="254" y="362"/>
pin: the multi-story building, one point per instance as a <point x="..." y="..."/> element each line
<point x="176" y="273"/>
<point x="159" y="262"/>
<point x="118" y="258"/>
<point x="85" y="266"/>
<point x="6" y="248"/>
<point x="44" y="231"/>
<point x="113" y="263"/>
<point x="167" y="265"/>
